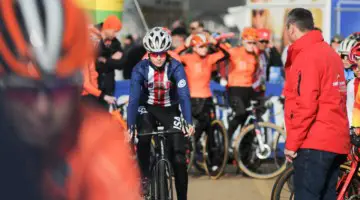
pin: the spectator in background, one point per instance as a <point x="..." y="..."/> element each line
<point x="315" y="110"/>
<point x="110" y="55"/>
<point x="268" y="57"/>
<point x="196" y="27"/>
<point x="241" y="77"/>
<point x="128" y="42"/>
<point x="335" y="41"/>
<point x="178" y="36"/>
<point x="178" y="24"/>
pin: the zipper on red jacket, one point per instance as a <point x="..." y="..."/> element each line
<point x="298" y="82"/>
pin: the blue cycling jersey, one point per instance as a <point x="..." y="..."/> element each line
<point x="349" y="74"/>
<point x="164" y="87"/>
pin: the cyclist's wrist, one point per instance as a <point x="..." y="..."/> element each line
<point x="102" y="96"/>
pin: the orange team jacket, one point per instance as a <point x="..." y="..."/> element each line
<point x="243" y="68"/>
<point x="172" y="54"/>
<point x="356" y="110"/>
<point x="90" y="85"/>
<point x="198" y="72"/>
<point x="101" y="165"/>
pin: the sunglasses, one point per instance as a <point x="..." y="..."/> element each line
<point x="264" y="41"/>
<point x="27" y="90"/>
<point x="255" y="12"/>
<point x="250" y="42"/>
<point x="336" y="41"/>
<point x="156" y="54"/>
<point x="30" y="95"/>
<point x="193" y="28"/>
<point x="344" y="56"/>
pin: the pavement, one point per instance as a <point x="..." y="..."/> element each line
<point x="231" y="186"/>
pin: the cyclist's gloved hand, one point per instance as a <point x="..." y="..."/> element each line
<point x="132" y="135"/>
<point x="189" y="129"/>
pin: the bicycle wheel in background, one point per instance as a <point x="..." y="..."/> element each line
<point x="215" y="150"/>
<point x="251" y="160"/>
<point x="284" y="186"/>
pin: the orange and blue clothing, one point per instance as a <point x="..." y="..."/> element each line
<point x="198" y="71"/>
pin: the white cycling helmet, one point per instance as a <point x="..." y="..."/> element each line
<point x="346" y="45"/>
<point x="349" y="42"/>
<point x="157" y="40"/>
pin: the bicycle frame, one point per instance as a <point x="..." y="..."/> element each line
<point x="354" y="159"/>
<point x="254" y="119"/>
<point x="161" y="156"/>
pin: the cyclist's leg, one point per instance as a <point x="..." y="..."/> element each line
<point x="179" y="164"/>
<point x="145" y="125"/>
<point x="329" y="191"/>
<point x="197" y="106"/>
<point x="238" y="104"/>
<point x="169" y="118"/>
<point x="312" y="169"/>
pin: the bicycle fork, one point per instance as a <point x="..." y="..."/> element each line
<point x="263" y="151"/>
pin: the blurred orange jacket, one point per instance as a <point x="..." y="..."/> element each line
<point x="90" y="81"/>
<point x="102" y="167"/>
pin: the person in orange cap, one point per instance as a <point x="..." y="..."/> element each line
<point x="91" y="89"/>
<point x="110" y="55"/>
<point x="244" y="64"/>
<point x="268" y="57"/>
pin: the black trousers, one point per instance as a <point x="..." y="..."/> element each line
<point x="239" y="100"/>
<point x="201" y="110"/>
<point x="169" y="117"/>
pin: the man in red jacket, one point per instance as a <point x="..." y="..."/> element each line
<point x="315" y="109"/>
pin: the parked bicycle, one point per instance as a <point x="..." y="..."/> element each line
<point x="211" y="149"/>
<point x="257" y="147"/>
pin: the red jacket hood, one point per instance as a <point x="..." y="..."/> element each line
<point x="306" y="40"/>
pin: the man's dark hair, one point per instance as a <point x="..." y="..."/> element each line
<point x="200" y="23"/>
<point x="129" y="37"/>
<point x="301" y="18"/>
<point x="318" y="29"/>
<point x="179" y="31"/>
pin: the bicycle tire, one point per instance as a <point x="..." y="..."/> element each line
<point x="165" y="180"/>
<point x="219" y="172"/>
<point x="280" y="182"/>
<point x="242" y="165"/>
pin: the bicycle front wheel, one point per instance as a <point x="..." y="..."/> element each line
<point x="216" y="150"/>
<point x="261" y="159"/>
<point x="164" y="180"/>
<point x="284" y="186"/>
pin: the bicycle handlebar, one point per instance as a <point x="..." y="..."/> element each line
<point x="160" y="132"/>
